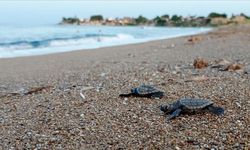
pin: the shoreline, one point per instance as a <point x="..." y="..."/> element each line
<point x="107" y="53"/>
<point x="42" y="106"/>
<point x="119" y="40"/>
<point x="6" y="63"/>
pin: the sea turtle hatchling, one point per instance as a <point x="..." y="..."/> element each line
<point x="190" y="105"/>
<point x="145" y="91"/>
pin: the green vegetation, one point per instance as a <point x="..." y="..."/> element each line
<point x="177" y="20"/>
<point x="141" y="20"/>
<point x="73" y="20"/>
<point x="159" y="21"/>
<point x="247" y="17"/>
<point x="165" y="16"/>
<point x="217" y="15"/>
<point x="96" y="18"/>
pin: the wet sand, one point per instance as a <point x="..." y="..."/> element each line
<point x="41" y="106"/>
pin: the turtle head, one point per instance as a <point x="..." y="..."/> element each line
<point x="165" y="108"/>
<point x="134" y="90"/>
<point x="168" y="108"/>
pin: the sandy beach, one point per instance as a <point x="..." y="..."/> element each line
<point x="41" y="106"/>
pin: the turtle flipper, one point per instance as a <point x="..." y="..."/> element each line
<point x="176" y="113"/>
<point x="157" y="94"/>
<point x="216" y="110"/>
<point x="126" y="95"/>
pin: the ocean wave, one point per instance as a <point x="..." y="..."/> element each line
<point x="46" y="46"/>
<point x="27" y="41"/>
<point x="58" y="42"/>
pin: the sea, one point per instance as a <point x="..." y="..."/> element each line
<point x="17" y="41"/>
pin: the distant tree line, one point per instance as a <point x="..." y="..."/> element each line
<point x="217" y="15"/>
<point x="71" y="20"/>
<point x="212" y="19"/>
<point x="96" y="18"/>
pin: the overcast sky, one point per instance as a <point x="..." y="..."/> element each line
<point x="51" y="12"/>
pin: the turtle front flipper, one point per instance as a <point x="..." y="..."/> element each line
<point x="157" y="94"/>
<point x="216" y="110"/>
<point x="175" y="114"/>
<point x="126" y="95"/>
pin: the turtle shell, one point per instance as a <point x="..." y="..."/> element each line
<point x="195" y="103"/>
<point x="144" y="90"/>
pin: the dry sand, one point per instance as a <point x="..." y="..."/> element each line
<point x="41" y="106"/>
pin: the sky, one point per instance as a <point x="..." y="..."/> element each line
<point x="41" y="12"/>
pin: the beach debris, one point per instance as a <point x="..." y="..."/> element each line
<point x="37" y="90"/>
<point x="194" y="39"/>
<point x="233" y="67"/>
<point x="23" y="91"/>
<point x="144" y="91"/>
<point x="200" y="63"/>
<point x="85" y="88"/>
<point x="225" y="65"/>
<point x="125" y="101"/>
<point x="82" y="96"/>
<point x="188" y="106"/>
<point x="238" y="104"/>
<point x="82" y="115"/>
<point x="177" y="148"/>
<point x="220" y="63"/>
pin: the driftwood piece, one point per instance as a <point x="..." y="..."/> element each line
<point x="33" y="90"/>
<point x="233" y="67"/>
<point x="37" y="90"/>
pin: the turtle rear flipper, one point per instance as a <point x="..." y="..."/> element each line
<point x="126" y="95"/>
<point x="157" y="94"/>
<point x="216" y="110"/>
